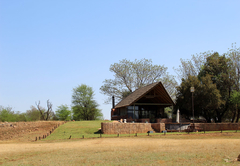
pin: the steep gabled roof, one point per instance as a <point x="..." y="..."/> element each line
<point x="162" y="95"/>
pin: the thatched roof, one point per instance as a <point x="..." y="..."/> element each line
<point x="153" y="93"/>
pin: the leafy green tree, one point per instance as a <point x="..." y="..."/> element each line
<point x="207" y="97"/>
<point x="33" y="114"/>
<point x="63" y="112"/>
<point x="219" y="67"/>
<point x="131" y="75"/>
<point x="84" y="106"/>
<point x="235" y="99"/>
<point x="7" y="115"/>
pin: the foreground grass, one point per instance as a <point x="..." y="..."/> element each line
<point x="124" y="151"/>
<point x="211" y="148"/>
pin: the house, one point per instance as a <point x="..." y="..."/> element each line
<point x="145" y="104"/>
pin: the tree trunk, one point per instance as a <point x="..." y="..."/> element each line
<point x="234" y="115"/>
<point x="238" y="115"/>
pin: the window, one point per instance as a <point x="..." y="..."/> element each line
<point x="132" y="111"/>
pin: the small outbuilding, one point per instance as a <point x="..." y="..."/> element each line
<point x="145" y="104"/>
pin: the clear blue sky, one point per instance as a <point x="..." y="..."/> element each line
<point x="49" y="47"/>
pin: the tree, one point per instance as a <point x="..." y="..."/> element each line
<point x="84" y="106"/>
<point x="129" y="76"/>
<point x="234" y="55"/>
<point x="193" y="66"/>
<point x="63" y="113"/>
<point x="235" y="99"/>
<point x="33" y="114"/>
<point x="8" y="115"/>
<point x="207" y="97"/>
<point x="219" y="67"/>
<point x="46" y="114"/>
<point x="221" y="70"/>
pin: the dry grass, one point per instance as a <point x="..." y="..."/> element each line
<point x="26" y="131"/>
<point x="189" y="150"/>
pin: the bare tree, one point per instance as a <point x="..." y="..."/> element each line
<point x="45" y="113"/>
<point x="132" y="75"/>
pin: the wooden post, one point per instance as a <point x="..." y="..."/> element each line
<point x="36" y="139"/>
<point x="39" y="138"/>
<point x="100" y="135"/>
<point x="136" y="135"/>
<point x="83" y="136"/>
<point x="50" y="132"/>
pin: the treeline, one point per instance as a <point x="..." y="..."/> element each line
<point x="84" y="108"/>
<point x="215" y="79"/>
<point x="7" y="114"/>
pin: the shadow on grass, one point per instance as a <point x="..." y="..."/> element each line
<point x="98" y="132"/>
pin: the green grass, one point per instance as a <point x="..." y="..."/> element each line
<point x="77" y="129"/>
<point x="90" y="129"/>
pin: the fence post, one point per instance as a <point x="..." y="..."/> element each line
<point x="83" y="136"/>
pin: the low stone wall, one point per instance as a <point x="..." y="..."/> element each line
<point x="158" y="127"/>
<point x="217" y="126"/>
<point x="125" y="128"/>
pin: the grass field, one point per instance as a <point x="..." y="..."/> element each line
<point x="171" y="149"/>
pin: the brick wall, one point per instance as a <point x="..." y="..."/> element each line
<point x="158" y="127"/>
<point x="125" y="128"/>
<point x="218" y="126"/>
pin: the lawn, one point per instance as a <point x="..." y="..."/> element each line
<point x="90" y="129"/>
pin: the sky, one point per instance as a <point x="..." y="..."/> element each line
<point x="47" y="48"/>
